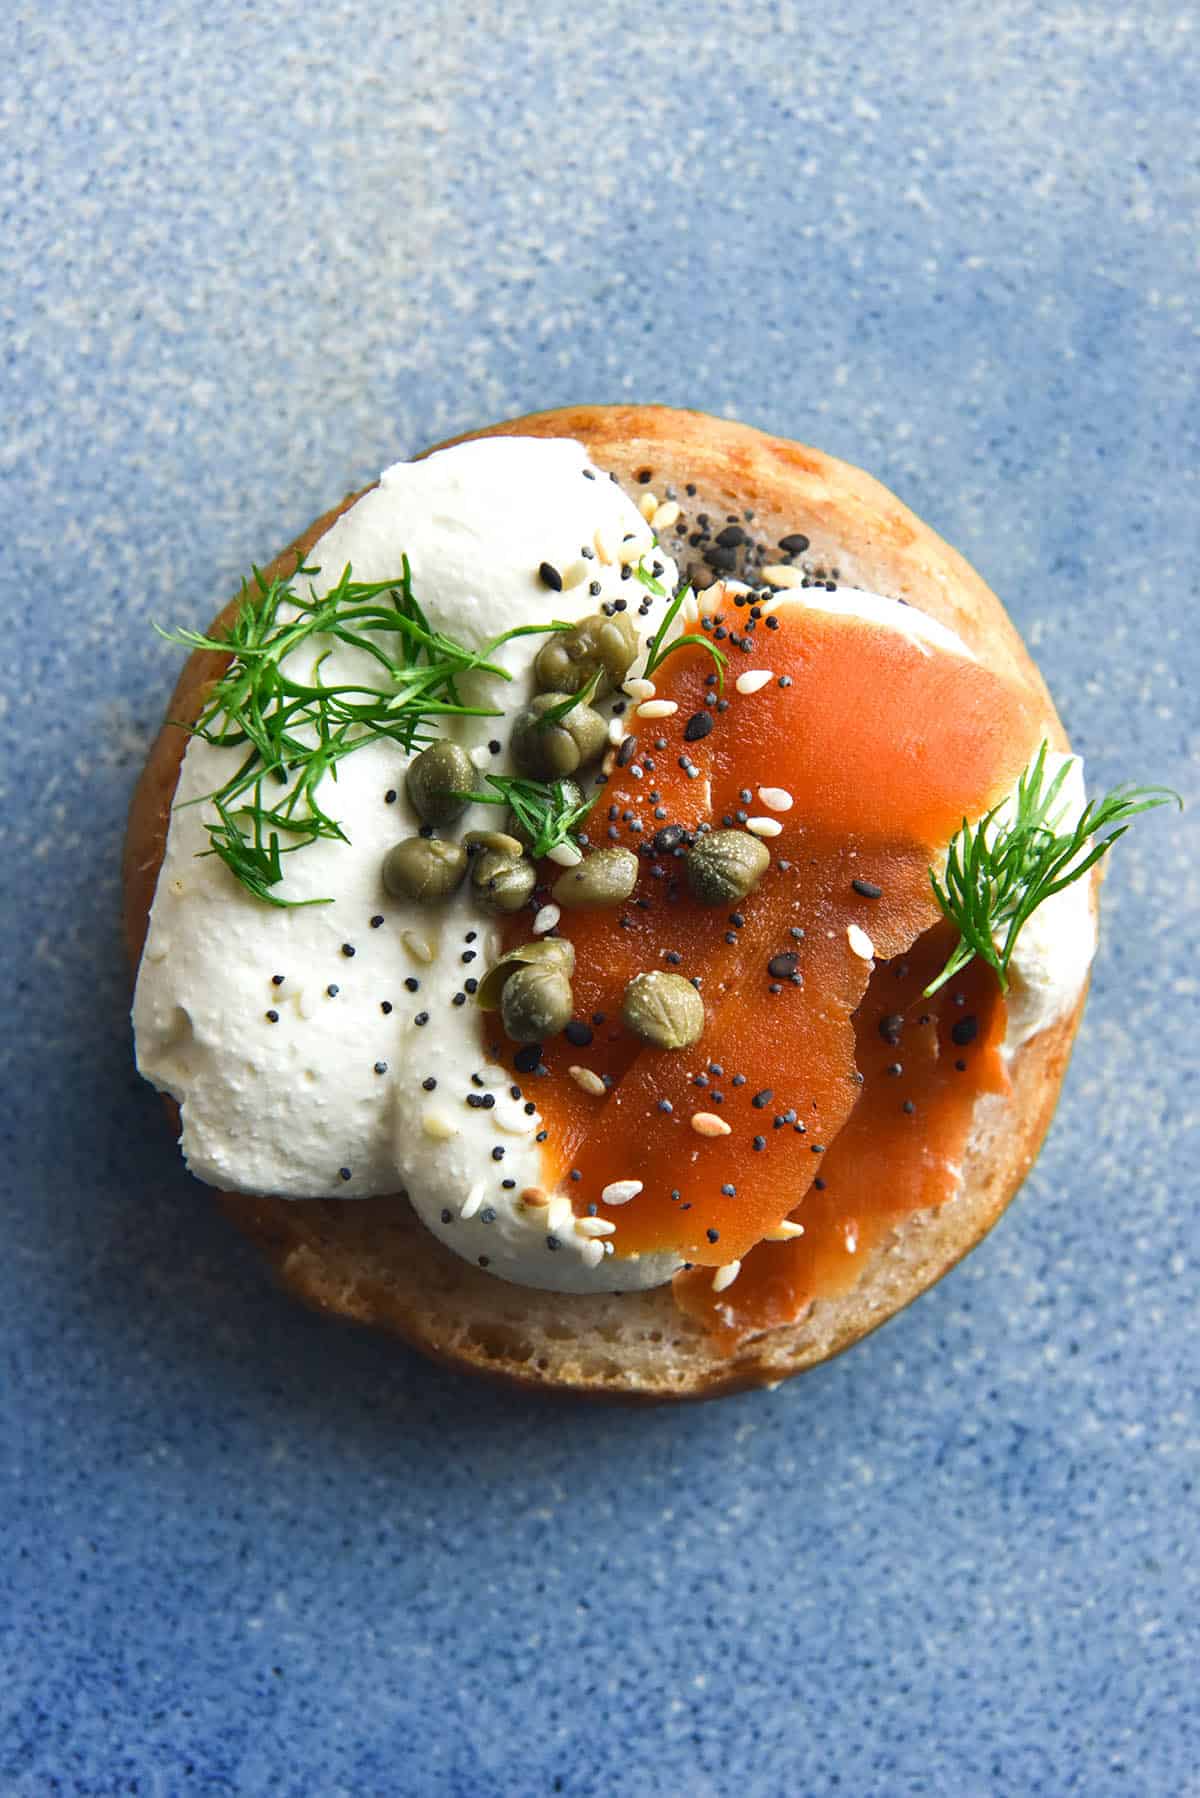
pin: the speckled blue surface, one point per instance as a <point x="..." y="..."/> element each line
<point x="252" y="254"/>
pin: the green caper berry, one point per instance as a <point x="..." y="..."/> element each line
<point x="436" y="781"/>
<point x="502" y="882"/>
<point x="425" y="869"/>
<point x="725" y="865"/>
<point x="570" y="795"/>
<point x="663" y="1009"/>
<point x="606" y="877"/>
<point x="498" y="840"/>
<point x="548" y="752"/>
<point x="548" y="951"/>
<point x="536" y="1003"/>
<point x="598" y="648"/>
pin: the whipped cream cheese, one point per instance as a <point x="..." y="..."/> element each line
<point x="334" y="1050"/>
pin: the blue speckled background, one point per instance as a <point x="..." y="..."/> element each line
<point x="252" y="253"/>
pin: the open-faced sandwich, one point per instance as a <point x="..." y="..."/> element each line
<point x="618" y="907"/>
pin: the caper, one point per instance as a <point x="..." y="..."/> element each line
<point x="606" y="877"/>
<point x="536" y="1003"/>
<point x="663" y="1009"/>
<point x="548" y="751"/>
<point x="436" y="781"/>
<point x="502" y="882"/>
<point x="424" y="868"/>
<point x="570" y="794"/>
<point x="597" y="648"/>
<point x="725" y="865"/>
<point x="547" y="951"/>
<point x="498" y="840"/>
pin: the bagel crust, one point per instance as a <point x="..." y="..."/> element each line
<point x="371" y="1259"/>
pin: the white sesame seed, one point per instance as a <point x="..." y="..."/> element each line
<point x="764" y="827"/>
<point x="473" y="1201"/>
<point x="665" y="515"/>
<point x="616" y="731"/>
<point x="572" y="576"/>
<point x="481" y="755"/>
<point x="725" y="1276"/>
<point x="592" y="1253"/>
<point x="438" y="1127"/>
<point x="416" y="945"/>
<point x="707" y="1123"/>
<point x="595" y="1226"/>
<point x="778" y="574"/>
<point x="545" y="919"/>
<point x="559" y="1213"/>
<point x="587" y="1081"/>
<point x="657" y="708"/>
<point x="648" y="505"/>
<point x="776" y="799"/>
<point x="619" y="1192"/>
<point x="602" y="546"/>
<point x="860" y="943"/>
<point x="754" y="680"/>
<point x="787" y="1231"/>
<point x="565" y="854"/>
<point x="639" y="688"/>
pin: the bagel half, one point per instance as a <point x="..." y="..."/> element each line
<point x="372" y="1260"/>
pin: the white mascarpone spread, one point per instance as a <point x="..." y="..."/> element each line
<point x="319" y="1051"/>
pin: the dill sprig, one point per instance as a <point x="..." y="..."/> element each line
<point x="544" y="809"/>
<point x="660" y="649"/>
<point x="997" y="874"/>
<point x="294" y="731"/>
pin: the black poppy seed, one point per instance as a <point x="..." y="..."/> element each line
<point x="737" y="919"/>
<point x="447" y="1215"/>
<point x="760" y="1142"/>
<point x="575" y="1175"/>
<point x="729" y="1190"/>
<point x="529" y="1108"/>
<point x="762" y="1099"/>
<point x="960" y="1066"/>
<point x="731" y="936"/>
<point x="272" y="1017"/>
<point x="782" y="966"/>
<point x="713" y="1235"/>
<point x="497" y="1154"/>
<point x="550" y="576"/>
<point x="785" y="680"/>
<point x="772" y="624"/>
<point x="385" y="1006"/>
<point x="429" y="1083"/>
<point x="471" y="986"/>
<point x="666" y="1106"/>
<point x="594" y="589"/>
<point x="541" y="1136"/>
<point x="722" y="706"/>
<point x="391" y="796"/>
<point x="578" y="1033"/>
<point x="908" y="1107"/>
<point x="345" y="1173"/>
<point x="333" y="990"/>
<point x="894" y="1069"/>
<point x="277" y="979"/>
<point x="422" y="1017"/>
<point x="673" y="958"/>
<point x="377" y="920"/>
<point x="598" y="1018"/>
<point x="800" y="1129"/>
<point x="425" y="831"/>
<point x="817" y="1148"/>
<point x="739" y="1079"/>
<point x="348" y="949"/>
<point x="965" y="1030"/>
<point x="459" y="999"/>
<point x="381" y="1067"/>
<point x="696" y="981"/>
<point x="589" y="474"/>
<point x="488" y="1215"/>
<point x="483" y="1260"/>
<point x="412" y="984"/>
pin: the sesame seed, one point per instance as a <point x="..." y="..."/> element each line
<point x="725" y="1276"/>
<point x="595" y="1226"/>
<point x="619" y="1192"/>
<point x="587" y="1081"/>
<point x="707" y="1123"/>
<point x="575" y="575"/>
<point x="753" y="680"/>
<point x="438" y="1127"/>
<point x="860" y="943"/>
<point x="416" y="945"/>
<point x="764" y="827"/>
<point x="778" y="574"/>
<point x="776" y="799"/>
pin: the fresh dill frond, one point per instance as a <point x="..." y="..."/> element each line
<point x="998" y="873"/>
<point x="585" y="696"/>
<point x="544" y="809"/>
<point x="649" y="580"/>
<point x="660" y="649"/>
<point x="296" y="731"/>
